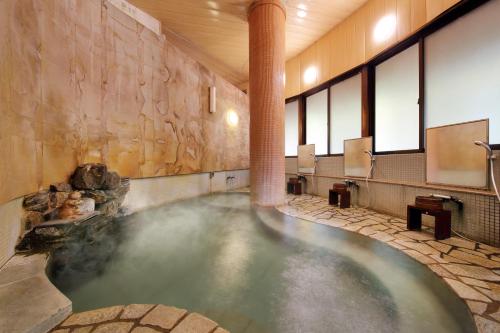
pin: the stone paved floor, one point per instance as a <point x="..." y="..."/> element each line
<point x="138" y="318"/>
<point x="471" y="269"/>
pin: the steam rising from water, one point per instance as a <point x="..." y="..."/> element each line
<point x="256" y="271"/>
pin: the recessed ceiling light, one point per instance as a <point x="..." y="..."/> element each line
<point x="301" y="13"/>
<point x="385" y="28"/>
<point x="302" y="6"/>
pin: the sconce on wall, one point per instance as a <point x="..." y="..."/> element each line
<point x="385" y="28"/>
<point x="310" y="75"/>
<point x="232" y="118"/>
<point x="212" y="99"/>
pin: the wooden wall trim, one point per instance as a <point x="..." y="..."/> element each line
<point x="447" y="16"/>
<point x="367" y="101"/>
<point x="421" y="93"/>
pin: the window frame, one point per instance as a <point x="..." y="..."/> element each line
<point x="301" y="134"/>
<point x="311" y="93"/>
<point x="367" y="71"/>
<point x="421" y="98"/>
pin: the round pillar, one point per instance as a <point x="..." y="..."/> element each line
<point x="266" y="21"/>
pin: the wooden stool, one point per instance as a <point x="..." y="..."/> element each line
<point x="345" y="196"/>
<point x="433" y="207"/>
<point x="294" y="186"/>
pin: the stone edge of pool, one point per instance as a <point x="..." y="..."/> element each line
<point x="26" y="289"/>
<point x="31" y="303"/>
<point x="474" y="280"/>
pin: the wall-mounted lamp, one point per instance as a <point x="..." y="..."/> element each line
<point x="232" y="118"/>
<point x="310" y="75"/>
<point x="385" y="28"/>
<point x="212" y="98"/>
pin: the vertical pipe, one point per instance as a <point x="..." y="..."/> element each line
<point x="266" y="20"/>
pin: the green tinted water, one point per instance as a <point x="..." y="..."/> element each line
<point x="257" y="271"/>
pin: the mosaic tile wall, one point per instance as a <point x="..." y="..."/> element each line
<point x="479" y="219"/>
<point x="82" y="82"/>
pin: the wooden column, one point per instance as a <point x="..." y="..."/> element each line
<point x="266" y="20"/>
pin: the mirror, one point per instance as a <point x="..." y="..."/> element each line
<point x="306" y="159"/>
<point x="452" y="157"/>
<point x="356" y="161"/>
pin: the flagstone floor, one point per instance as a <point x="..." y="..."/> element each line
<point x="138" y="318"/>
<point x="471" y="269"/>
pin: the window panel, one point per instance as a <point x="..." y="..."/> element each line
<point x="462" y="71"/>
<point x="345" y="113"/>
<point x="396" y="102"/>
<point x="317" y="121"/>
<point x="291" y="128"/>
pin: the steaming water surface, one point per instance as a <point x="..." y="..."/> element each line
<point x="256" y="271"/>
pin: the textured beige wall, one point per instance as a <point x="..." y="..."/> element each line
<point x="479" y="219"/>
<point x="82" y="82"/>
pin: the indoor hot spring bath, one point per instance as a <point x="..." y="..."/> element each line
<point x="256" y="270"/>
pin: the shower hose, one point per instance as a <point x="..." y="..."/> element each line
<point x="491" y="158"/>
<point x="493" y="178"/>
<point x="367" y="184"/>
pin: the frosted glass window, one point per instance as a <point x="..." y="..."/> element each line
<point x="396" y="102"/>
<point x="317" y="121"/>
<point x="462" y="71"/>
<point x="345" y="113"/>
<point x="291" y="128"/>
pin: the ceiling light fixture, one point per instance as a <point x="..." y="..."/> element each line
<point x="301" y="13"/>
<point x="385" y="28"/>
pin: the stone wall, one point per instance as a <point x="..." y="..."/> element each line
<point x="82" y="82"/>
<point x="398" y="179"/>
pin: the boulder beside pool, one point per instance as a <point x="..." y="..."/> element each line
<point x="92" y="196"/>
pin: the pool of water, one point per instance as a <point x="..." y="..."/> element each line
<point x="256" y="271"/>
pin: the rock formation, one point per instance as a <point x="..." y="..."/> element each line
<point x="92" y="193"/>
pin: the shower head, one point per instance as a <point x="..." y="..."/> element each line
<point x="484" y="145"/>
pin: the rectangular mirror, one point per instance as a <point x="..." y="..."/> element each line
<point x="356" y="161"/>
<point x="453" y="158"/>
<point x="306" y="159"/>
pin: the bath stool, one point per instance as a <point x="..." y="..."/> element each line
<point x="345" y="196"/>
<point x="294" y="186"/>
<point x="442" y="228"/>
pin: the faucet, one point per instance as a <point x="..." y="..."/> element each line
<point x="349" y="183"/>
